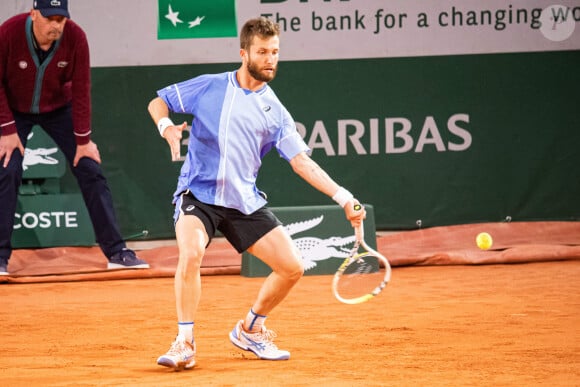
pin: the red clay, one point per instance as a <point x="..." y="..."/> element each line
<point x="488" y="325"/>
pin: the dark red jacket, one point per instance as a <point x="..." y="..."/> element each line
<point x="64" y="76"/>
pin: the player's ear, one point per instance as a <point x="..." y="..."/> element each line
<point x="245" y="54"/>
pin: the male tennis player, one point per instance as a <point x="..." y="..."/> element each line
<point x="237" y="120"/>
<point x="45" y="81"/>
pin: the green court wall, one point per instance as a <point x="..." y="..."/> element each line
<point x="427" y="141"/>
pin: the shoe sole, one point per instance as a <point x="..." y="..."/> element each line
<point x="166" y="362"/>
<point x="243" y="347"/>
<point x="111" y="266"/>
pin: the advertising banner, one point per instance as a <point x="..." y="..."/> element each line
<point x="170" y="32"/>
<point x="321" y="233"/>
<point x="52" y="220"/>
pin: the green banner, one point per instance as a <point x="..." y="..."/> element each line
<point x="427" y="141"/>
<point x="322" y="235"/>
<point x="42" y="158"/>
<point x="52" y="220"/>
<point x="186" y="19"/>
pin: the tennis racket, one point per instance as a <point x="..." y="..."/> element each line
<point x="364" y="273"/>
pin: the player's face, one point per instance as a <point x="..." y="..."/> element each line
<point x="47" y="29"/>
<point x="262" y="58"/>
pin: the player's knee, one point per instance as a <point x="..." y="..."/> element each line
<point x="190" y="258"/>
<point x="297" y="273"/>
<point x="293" y="272"/>
<point x="291" y="276"/>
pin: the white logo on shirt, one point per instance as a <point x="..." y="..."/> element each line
<point x="22" y="64"/>
<point x="62" y="64"/>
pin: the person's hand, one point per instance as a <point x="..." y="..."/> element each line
<point x="89" y="150"/>
<point x="8" y="144"/>
<point x="173" y="135"/>
<point x="355" y="212"/>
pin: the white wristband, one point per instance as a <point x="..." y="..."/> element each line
<point x="163" y="124"/>
<point x="342" y="196"/>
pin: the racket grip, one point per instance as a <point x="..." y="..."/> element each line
<point x="359" y="231"/>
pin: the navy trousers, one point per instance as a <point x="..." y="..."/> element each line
<point x="92" y="183"/>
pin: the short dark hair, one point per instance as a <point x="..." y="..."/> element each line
<point x="261" y="26"/>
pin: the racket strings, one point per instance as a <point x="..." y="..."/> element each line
<point x="361" y="276"/>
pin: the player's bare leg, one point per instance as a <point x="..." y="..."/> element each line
<point x="191" y="240"/>
<point x="278" y="251"/>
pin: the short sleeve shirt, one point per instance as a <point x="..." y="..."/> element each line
<point x="231" y="131"/>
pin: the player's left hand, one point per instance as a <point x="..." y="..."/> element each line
<point x="89" y="150"/>
<point x="355" y="215"/>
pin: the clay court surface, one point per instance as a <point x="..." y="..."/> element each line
<point x="493" y="325"/>
<point x="509" y="324"/>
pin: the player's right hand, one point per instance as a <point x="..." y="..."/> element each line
<point x="355" y="212"/>
<point x="173" y="135"/>
<point x="9" y="143"/>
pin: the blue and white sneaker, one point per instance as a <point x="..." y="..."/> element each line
<point x="260" y="343"/>
<point x="126" y="259"/>
<point x="180" y="356"/>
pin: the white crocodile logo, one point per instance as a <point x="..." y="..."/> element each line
<point x="38" y="156"/>
<point x="317" y="249"/>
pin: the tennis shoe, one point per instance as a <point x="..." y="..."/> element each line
<point x="180" y="356"/>
<point x="260" y="343"/>
<point x="126" y="259"/>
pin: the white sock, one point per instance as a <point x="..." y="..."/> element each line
<point x="254" y="322"/>
<point x="186" y="331"/>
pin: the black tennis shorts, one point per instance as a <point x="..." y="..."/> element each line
<point x="241" y="230"/>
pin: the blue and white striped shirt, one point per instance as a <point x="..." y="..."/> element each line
<point x="232" y="130"/>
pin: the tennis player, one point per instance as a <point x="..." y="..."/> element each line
<point x="237" y="119"/>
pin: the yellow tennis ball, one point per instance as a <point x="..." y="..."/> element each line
<point x="484" y="240"/>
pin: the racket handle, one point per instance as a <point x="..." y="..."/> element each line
<point x="359" y="231"/>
